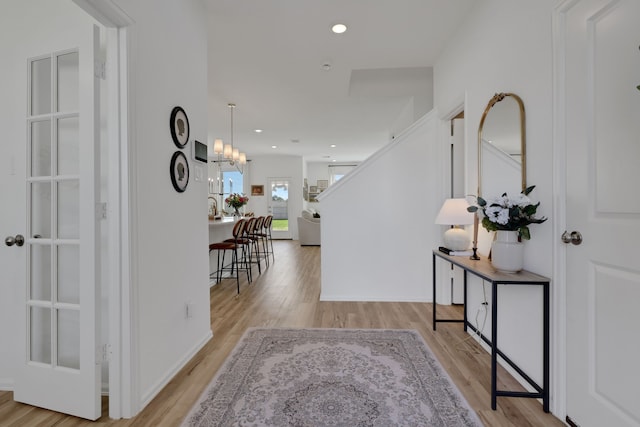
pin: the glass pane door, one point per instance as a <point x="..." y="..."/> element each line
<point x="58" y="318"/>
<point x="279" y="207"/>
<point x="53" y="230"/>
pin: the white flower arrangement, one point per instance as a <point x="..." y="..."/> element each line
<point x="509" y="213"/>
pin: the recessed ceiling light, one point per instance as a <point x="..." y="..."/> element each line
<point x="333" y="160"/>
<point x="333" y="146"/>
<point x="258" y="131"/>
<point x="274" y="146"/>
<point x="295" y="141"/>
<point x="339" y="28"/>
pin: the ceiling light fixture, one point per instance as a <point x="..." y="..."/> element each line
<point x="339" y="28"/>
<point x="258" y="130"/>
<point x="229" y="153"/>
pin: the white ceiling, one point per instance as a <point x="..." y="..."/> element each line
<point x="267" y="57"/>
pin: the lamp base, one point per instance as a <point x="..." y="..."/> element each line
<point x="457" y="239"/>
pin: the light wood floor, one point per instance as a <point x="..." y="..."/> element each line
<point x="287" y="295"/>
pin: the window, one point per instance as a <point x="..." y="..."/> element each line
<point x="337" y="172"/>
<point x="232" y="182"/>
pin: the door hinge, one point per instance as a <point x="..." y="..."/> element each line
<point x="101" y="210"/>
<point x="100" y="69"/>
<point x="106" y="353"/>
<point x="103" y="354"/>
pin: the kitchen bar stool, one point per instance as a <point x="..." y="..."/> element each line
<point x="233" y="245"/>
<point x="259" y="239"/>
<point x="253" y="241"/>
<point x="260" y="235"/>
<point x="266" y="229"/>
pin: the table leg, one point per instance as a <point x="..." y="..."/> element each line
<point x="433" y="266"/>
<point x="545" y="349"/>
<point x="494" y="344"/>
<point x="464" y="281"/>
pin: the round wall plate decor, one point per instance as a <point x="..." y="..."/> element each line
<point x="179" y="127"/>
<point x="179" y="171"/>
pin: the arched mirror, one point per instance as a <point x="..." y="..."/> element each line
<point x="502" y="160"/>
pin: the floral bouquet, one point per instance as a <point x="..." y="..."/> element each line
<point x="236" y="201"/>
<point x="509" y="213"/>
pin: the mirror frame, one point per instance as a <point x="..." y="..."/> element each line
<point x="523" y="145"/>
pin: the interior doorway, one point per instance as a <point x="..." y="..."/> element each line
<point x="457" y="177"/>
<point x="278" y="206"/>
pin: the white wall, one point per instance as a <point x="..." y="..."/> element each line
<point x="506" y="46"/>
<point x="169" y="229"/>
<point x="378" y="226"/>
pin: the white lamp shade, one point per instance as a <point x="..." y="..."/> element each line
<point x="218" y="146"/>
<point x="228" y="151"/>
<point x="454" y="212"/>
<point x="235" y="154"/>
<point x="243" y="159"/>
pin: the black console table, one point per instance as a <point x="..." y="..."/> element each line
<point x="484" y="270"/>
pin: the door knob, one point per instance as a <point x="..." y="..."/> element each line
<point x="575" y="238"/>
<point x="18" y="240"/>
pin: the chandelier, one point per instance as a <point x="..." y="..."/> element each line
<point x="227" y="153"/>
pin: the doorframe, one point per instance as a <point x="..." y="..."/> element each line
<point x="444" y="271"/>
<point x="559" y="268"/>
<point x="122" y="348"/>
<point x="289" y="179"/>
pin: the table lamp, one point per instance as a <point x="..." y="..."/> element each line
<point x="454" y="212"/>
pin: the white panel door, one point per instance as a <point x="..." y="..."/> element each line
<point x="602" y="113"/>
<point x="54" y="208"/>
<point x="278" y="206"/>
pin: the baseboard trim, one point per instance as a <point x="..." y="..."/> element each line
<point x="7" y="384"/>
<point x="363" y="298"/>
<point x="159" y="385"/>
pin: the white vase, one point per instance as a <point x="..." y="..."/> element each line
<point x="507" y="253"/>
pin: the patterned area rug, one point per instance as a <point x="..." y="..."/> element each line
<point x="331" y="377"/>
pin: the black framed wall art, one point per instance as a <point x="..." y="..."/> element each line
<point x="179" y="171"/>
<point x="179" y="124"/>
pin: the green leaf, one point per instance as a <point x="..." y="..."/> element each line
<point x="488" y="225"/>
<point x="524" y="233"/>
<point x="528" y="190"/>
<point x="472" y="209"/>
<point x="530" y="210"/>
<point x="538" y="221"/>
<point x="481" y="201"/>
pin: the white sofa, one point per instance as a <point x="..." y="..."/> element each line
<point x="309" y="228"/>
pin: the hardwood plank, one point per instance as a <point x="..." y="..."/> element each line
<point x="287" y="295"/>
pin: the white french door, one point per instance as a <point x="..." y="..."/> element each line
<point x="599" y="69"/>
<point x="55" y="207"/>
<point x="278" y="206"/>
